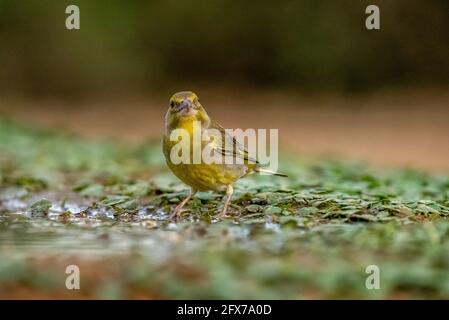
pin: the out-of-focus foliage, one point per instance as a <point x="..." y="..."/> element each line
<point x="149" y="44"/>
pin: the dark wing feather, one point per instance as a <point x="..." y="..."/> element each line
<point x="226" y="139"/>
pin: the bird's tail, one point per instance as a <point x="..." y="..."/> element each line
<point x="259" y="170"/>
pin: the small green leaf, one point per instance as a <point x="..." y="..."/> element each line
<point x="272" y="210"/>
<point x="40" y="208"/>
<point x="253" y="208"/>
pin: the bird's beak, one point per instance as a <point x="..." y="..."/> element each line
<point x="186" y="109"/>
<point x="185" y="104"/>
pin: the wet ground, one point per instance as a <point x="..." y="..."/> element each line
<point x="104" y="206"/>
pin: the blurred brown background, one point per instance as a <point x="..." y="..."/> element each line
<point x="309" y="68"/>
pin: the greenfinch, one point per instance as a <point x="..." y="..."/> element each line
<point x="184" y="111"/>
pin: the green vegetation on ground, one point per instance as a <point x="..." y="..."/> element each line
<point x="308" y="236"/>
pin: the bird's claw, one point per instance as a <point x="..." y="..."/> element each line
<point x="238" y="208"/>
<point x="221" y="215"/>
<point x="224" y="214"/>
<point x="176" y="214"/>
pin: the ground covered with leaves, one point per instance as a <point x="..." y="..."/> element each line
<point x="105" y="207"/>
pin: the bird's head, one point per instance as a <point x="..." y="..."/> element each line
<point x="185" y="106"/>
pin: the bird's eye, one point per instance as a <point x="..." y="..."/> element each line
<point x="172" y="104"/>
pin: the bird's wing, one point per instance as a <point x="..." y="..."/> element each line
<point x="227" y="145"/>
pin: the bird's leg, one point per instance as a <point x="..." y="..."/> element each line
<point x="228" y="196"/>
<point x="177" y="212"/>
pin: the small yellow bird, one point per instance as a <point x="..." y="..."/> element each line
<point x="184" y="111"/>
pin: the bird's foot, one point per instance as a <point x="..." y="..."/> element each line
<point x="221" y="215"/>
<point x="176" y="214"/>
<point x="238" y="208"/>
<point x="224" y="213"/>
